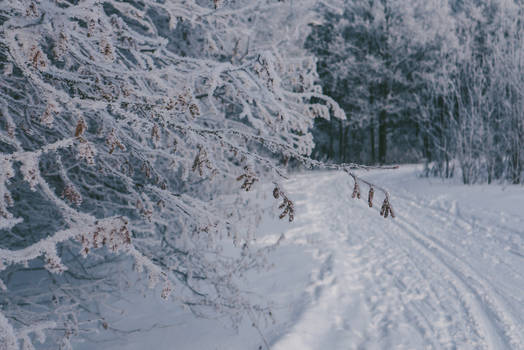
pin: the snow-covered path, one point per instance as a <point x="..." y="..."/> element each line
<point x="447" y="273"/>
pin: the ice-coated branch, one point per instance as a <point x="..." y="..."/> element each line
<point x="47" y="246"/>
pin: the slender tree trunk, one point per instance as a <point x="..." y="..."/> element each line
<point x="448" y="175"/>
<point x="516" y="165"/>
<point x="340" y="140"/>
<point x="330" y="152"/>
<point x="372" y="142"/>
<point x="346" y="142"/>
<point x="382" y="137"/>
<point x="427" y="148"/>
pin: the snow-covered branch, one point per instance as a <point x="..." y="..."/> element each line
<point x="128" y="128"/>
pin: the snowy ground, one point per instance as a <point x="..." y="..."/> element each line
<point x="447" y="273"/>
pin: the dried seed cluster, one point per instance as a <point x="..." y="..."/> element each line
<point x="115" y="237"/>
<point x="356" y="191"/>
<point x="286" y="205"/>
<point x="386" y="209"/>
<point x="113" y="142"/>
<point x="72" y="195"/>
<point x="249" y="178"/>
<point x="201" y="161"/>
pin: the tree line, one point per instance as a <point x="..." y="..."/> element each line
<point x="435" y="81"/>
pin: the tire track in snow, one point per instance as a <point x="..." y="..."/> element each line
<point x="445" y="217"/>
<point x="484" y="303"/>
<point x="425" y="296"/>
<point x="500" y="329"/>
<point x="453" y="249"/>
<point x="502" y="299"/>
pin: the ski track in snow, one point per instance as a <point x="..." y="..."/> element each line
<point x="436" y="277"/>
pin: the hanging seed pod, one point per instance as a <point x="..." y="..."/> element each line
<point x="384" y="206"/>
<point x="370" y="197"/>
<point x="391" y="211"/>
<point x="386" y="209"/>
<point x="356" y="191"/>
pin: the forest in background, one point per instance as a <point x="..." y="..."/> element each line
<point x="431" y="81"/>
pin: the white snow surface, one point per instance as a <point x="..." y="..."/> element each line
<point x="446" y="273"/>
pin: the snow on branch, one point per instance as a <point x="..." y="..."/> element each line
<point x="111" y="232"/>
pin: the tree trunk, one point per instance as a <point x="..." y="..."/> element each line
<point x="330" y="151"/>
<point x="340" y="140"/>
<point x="346" y="142"/>
<point x="427" y="148"/>
<point x="382" y="137"/>
<point x="372" y="142"/>
<point x="448" y="174"/>
<point x="516" y="166"/>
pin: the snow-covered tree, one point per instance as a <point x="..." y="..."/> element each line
<point x="374" y="60"/>
<point x="127" y="131"/>
<point x="436" y="81"/>
<point x="476" y="116"/>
